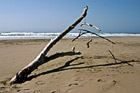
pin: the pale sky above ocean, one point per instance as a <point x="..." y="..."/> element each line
<point x="56" y="15"/>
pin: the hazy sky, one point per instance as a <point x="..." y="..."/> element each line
<point x="56" y="15"/>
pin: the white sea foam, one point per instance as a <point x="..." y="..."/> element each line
<point x="34" y="35"/>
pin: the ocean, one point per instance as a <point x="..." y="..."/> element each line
<point x="45" y="35"/>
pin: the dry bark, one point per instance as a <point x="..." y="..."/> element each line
<point x="98" y="35"/>
<point x="113" y="56"/>
<point x="80" y="34"/>
<point x="91" y="26"/>
<point x="89" y="43"/>
<point x="41" y="58"/>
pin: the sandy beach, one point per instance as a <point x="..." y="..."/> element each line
<point x="94" y="71"/>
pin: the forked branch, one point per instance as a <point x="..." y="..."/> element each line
<point x="97" y="35"/>
<point x="80" y="34"/>
<point x="41" y="58"/>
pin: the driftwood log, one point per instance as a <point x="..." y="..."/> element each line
<point x="22" y="75"/>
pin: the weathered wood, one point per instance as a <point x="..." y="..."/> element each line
<point x="115" y="59"/>
<point x="80" y="34"/>
<point x="98" y="35"/>
<point x="41" y="58"/>
<point x="91" y="26"/>
<point x="61" y="54"/>
<point x="73" y="48"/>
<point x="89" y="43"/>
<point x="113" y="56"/>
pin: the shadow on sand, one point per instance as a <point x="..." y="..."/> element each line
<point x="68" y="64"/>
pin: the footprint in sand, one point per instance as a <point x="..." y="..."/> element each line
<point x="114" y="82"/>
<point x="100" y="80"/>
<point x="37" y="91"/>
<point x="39" y="83"/>
<point x="55" y="91"/>
<point x="73" y="84"/>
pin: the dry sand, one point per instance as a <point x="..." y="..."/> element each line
<point x="94" y="71"/>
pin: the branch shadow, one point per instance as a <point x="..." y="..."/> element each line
<point x="108" y="64"/>
<point x="68" y="64"/>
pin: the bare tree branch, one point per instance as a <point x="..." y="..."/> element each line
<point x="80" y="34"/>
<point x="61" y="54"/>
<point x="41" y="59"/>
<point x="115" y="59"/>
<point x="91" y="26"/>
<point x="73" y="48"/>
<point x="89" y="43"/>
<point x="97" y="35"/>
<point x="113" y="56"/>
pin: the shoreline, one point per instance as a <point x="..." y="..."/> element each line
<point x="33" y="35"/>
<point x="70" y="38"/>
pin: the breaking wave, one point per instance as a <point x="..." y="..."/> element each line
<point x="35" y="35"/>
